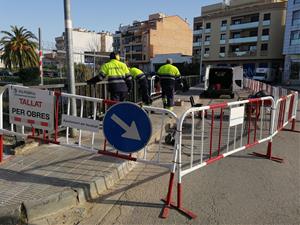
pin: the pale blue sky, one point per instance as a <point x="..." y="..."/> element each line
<point x="95" y="15"/>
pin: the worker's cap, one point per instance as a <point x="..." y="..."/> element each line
<point x="114" y="55"/>
<point x="169" y="61"/>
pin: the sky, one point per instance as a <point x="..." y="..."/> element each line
<point x="94" y="15"/>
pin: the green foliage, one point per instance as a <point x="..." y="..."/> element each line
<point x="83" y="72"/>
<point x="19" y="48"/>
<point x="29" y="75"/>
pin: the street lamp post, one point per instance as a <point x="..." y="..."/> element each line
<point x="69" y="57"/>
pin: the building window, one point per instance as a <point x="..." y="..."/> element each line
<point x="222" y="49"/>
<point x="255" y="18"/>
<point x="267" y="16"/>
<point x="198" y="26"/>
<point x="265" y="32"/>
<point x="295" y="70"/>
<point x="295" y="37"/>
<point x="223" y="37"/>
<point x="253" y="33"/>
<point x="252" y="48"/>
<point x="224" y="23"/>
<point x="238" y="21"/>
<point x="208" y="25"/>
<point x="296" y="1"/>
<point x="264" y="47"/>
<point x="236" y="35"/>
<point x="206" y="51"/>
<point x="296" y="18"/>
<point x="263" y="65"/>
<point x="207" y="38"/>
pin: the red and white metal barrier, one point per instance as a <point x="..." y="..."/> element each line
<point x="154" y="90"/>
<point x="89" y="137"/>
<point x="227" y="129"/>
<point x="256" y="86"/>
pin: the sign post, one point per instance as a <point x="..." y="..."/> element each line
<point x="127" y="127"/>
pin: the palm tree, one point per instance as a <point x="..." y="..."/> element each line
<point x="19" y="48"/>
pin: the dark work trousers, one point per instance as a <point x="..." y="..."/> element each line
<point x="167" y="92"/>
<point x="144" y="90"/>
<point x="119" y="96"/>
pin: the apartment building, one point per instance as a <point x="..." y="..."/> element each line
<point x="248" y="33"/>
<point x="291" y="48"/>
<point x="86" y="41"/>
<point x="160" y="34"/>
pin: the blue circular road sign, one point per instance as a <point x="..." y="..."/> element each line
<point x="127" y="127"/>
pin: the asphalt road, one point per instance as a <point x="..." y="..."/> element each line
<point x="239" y="189"/>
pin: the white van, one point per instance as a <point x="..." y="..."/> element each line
<point x="264" y="74"/>
<point x="222" y="80"/>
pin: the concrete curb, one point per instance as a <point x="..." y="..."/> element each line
<point x="29" y="211"/>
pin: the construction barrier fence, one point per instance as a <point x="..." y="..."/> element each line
<point x="203" y="135"/>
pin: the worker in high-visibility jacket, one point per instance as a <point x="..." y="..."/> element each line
<point x="168" y="75"/>
<point x="118" y="76"/>
<point x="142" y="81"/>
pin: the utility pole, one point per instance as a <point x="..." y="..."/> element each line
<point x="69" y="57"/>
<point x="201" y="50"/>
<point x="41" y="58"/>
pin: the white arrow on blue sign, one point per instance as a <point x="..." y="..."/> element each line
<point x="127" y="127"/>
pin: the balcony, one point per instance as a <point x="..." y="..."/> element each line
<point x="197" y="44"/>
<point x="224" y="28"/>
<point x="266" y="23"/>
<point x="264" y="52"/>
<point x="295" y="42"/>
<point x="207" y="30"/>
<point x="197" y="32"/>
<point x="244" y="26"/>
<point x="242" y="40"/>
<point x="265" y="38"/>
<point x="242" y="53"/>
<point x="222" y="42"/>
<point x="222" y="54"/>
<point x="207" y="43"/>
<point x="206" y="55"/>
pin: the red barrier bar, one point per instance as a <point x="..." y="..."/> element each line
<point x="256" y="118"/>
<point x="220" y="132"/>
<point x="279" y="116"/>
<point x="121" y="156"/>
<point x="249" y="121"/>
<point x="165" y="210"/>
<point x="57" y="95"/>
<point x="211" y="133"/>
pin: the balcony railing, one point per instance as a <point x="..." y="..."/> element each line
<point x="242" y="53"/>
<point x="223" y="28"/>
<point x="266" y="22"/>
<point x="197" y="44"/>
<point x="264" y="52"/>
<point x="197" y="32"/>
<point x="206" y="55"/>
<point x="244" y="26"/>
<point x="207" y="43"/>
<point x="207" y="30"/>
<point x="242" y="40"/>
<point x="222" y="54"/>
<point x="222" y="42"/>
<point x="265" y="37"/>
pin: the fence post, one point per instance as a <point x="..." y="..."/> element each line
<point x="1" y="148"/>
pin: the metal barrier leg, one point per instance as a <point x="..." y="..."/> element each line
<point x="292" y="127"/>
<point x="269" y="154"/>
<point x="168" y="200"/>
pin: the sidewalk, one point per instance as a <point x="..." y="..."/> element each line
<point x="50" y="178"/>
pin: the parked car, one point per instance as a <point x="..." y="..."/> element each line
<point x="5" y="73"/>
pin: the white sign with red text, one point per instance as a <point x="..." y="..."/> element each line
<point x="31" y="107"/>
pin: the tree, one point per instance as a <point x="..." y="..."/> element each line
<point x="19" y="48"/>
